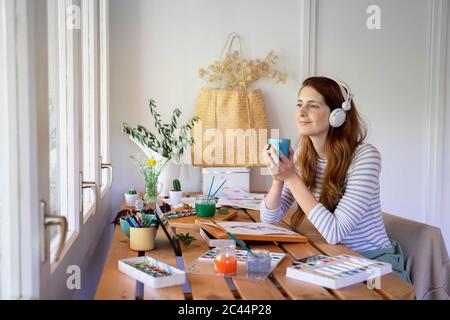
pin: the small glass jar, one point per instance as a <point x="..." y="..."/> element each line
<point x="258" y="265"/>
<point x="204" y="207"/>
<point x="225" y="261"/>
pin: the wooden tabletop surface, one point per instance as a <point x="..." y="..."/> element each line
<point x="116" y="285"/>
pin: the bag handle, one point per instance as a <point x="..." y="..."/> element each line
<point x="227" y="49"/>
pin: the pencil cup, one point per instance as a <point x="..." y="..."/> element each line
<point x="142" y="239"/>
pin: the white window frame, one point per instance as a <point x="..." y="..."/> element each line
<point x="104" y="94"/>
<point x="10" y="277"/>
<point x="25" y="274"/>
<point x="63" y="57"/>
<point x="90" y="100"/>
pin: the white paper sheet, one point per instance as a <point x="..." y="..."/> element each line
<point x="245" y="204"/>
<point x="252" y="228"/>
<point x="236" y="193"/>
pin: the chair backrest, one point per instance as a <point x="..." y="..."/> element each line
<point x="426" y="256"/>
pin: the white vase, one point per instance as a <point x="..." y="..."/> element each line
<point x="189" y="176"/>
<point x="175" y="197"/>
<point x="130" y="199"/>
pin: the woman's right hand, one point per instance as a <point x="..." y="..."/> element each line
<point x="271" y="158"/>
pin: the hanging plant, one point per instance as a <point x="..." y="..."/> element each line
<point x="252" y="70"/>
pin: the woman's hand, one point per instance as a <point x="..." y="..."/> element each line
<point x="280" y="170"/>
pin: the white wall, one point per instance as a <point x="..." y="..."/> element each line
<point x="387" y="71"/>
<point x="446" y="191"/>
<point x="158" y="46"/>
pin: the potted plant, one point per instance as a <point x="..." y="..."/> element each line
<point x="131" y="197"/>
<point x="176" y="193"/>
<point x="169" y="142"/>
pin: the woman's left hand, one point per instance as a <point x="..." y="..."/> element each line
<point x="284" y="169"/>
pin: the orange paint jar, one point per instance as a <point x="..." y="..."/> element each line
<point x="225" y="261"/>
<point x="225" y="265"/>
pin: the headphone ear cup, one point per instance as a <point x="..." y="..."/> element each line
<point x="337" y="117"/>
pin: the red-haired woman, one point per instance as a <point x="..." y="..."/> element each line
<point x="333" y="176"/>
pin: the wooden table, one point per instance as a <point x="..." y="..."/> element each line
<point x="116" y="285"/>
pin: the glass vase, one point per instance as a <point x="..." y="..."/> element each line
<point x="152" y="189"/>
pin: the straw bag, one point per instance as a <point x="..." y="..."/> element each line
<point x="233" y="123"/>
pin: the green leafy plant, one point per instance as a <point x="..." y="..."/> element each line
<point x="222" y="210"/>
<point x="176" y="185"/>
<point x="186" y="238"/>
<point x="132" y="191"/>
<point x="166" y="142"/>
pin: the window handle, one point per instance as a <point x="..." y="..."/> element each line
<point x="93" y="186"/>
<point x="49" y="219"/>
<point x="108" y="167"/>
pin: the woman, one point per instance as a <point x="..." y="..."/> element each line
<point x="334" y="176"/>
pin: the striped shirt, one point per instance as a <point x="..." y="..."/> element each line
<point x="356" y="222"/>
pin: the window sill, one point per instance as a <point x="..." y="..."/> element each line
<point x="70" y="239"/>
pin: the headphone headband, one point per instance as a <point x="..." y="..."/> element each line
<point x="339" y="115"/>
<point x="347" y="96"/>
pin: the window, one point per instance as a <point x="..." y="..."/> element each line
<point x="9" y="169"/>
<point x="61" y="116"/>
<point x="90" y="104"/>
<point x="104" y="94"/>
<point x="41" y="91"/>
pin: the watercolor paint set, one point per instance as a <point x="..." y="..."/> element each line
<point x="180" y="214"/>
<point x="152" y="272"/>
<point x="338" y="271"/>
<point x="241" y="257"/>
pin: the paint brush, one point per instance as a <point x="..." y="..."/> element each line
<point x="219" y="188"/>
<point x="241" y="244"/>
<point x="210" y="187"/>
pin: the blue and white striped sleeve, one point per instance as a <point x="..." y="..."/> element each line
<point x="362" y="186"/>
<point x="275" y="215"/>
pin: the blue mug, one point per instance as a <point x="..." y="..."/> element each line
<point x="280" y="144"/>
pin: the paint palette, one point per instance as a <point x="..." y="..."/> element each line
<point x="179" y="214"/>
<point x="337" y="272"/>
<point x="241" y="257"/>
<point x="152" y="272"/>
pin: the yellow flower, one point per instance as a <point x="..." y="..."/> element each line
<point x="151" y="162"/>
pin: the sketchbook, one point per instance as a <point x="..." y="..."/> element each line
<point x="254" y="228"/>
<point x="251" y="231"/>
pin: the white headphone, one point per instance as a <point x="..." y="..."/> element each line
<point x="338" y="115"/>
